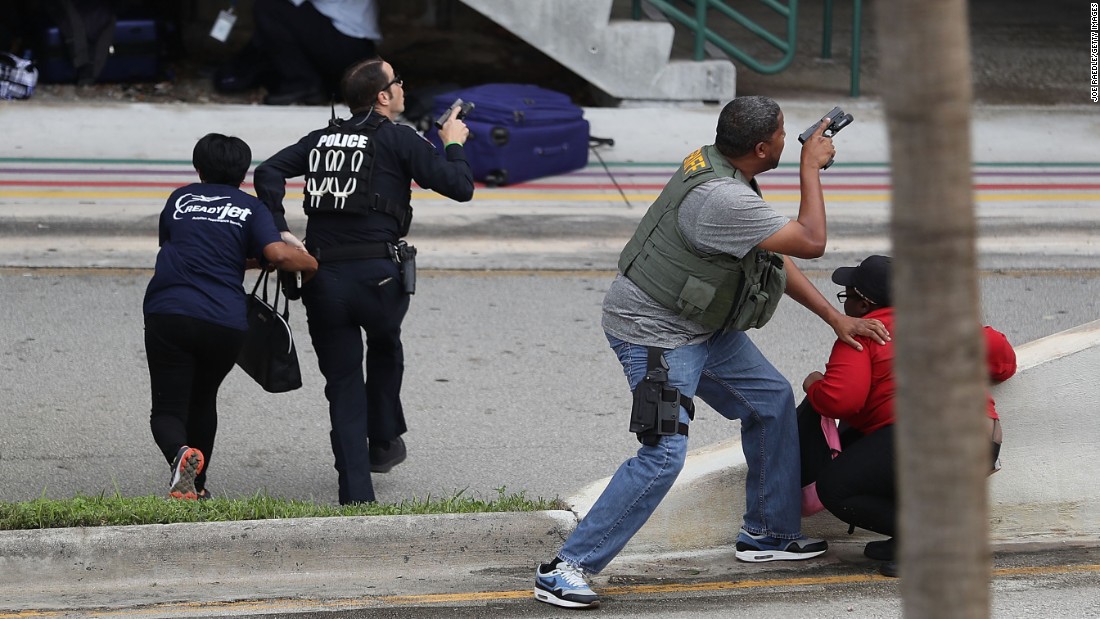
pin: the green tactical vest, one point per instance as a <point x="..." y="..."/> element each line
<point x="718" y="291"/>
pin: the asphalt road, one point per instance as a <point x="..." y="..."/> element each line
<point x="1044" y="583"/>
<point x="509" y="385"/>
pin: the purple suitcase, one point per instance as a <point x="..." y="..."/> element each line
<point x="519" y="132"/>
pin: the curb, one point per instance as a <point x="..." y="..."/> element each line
<point x="52" y="569"/>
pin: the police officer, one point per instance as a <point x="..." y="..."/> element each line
<point x="358" y="174"/>
<point x="707" y="262"/>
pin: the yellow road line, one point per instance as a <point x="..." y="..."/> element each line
<point x="405" y="600"/>
<point x="298" y="604"/>
<point x="1044" y="571"/>
<point x="565" y="196"/>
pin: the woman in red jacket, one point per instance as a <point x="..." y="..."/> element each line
<point x="857" y="388"/>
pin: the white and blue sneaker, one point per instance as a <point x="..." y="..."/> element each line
<point x="563" y="585"/>
<point x="759" y="548"/>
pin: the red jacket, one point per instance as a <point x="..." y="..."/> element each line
<point x="859" y="385"/>
<point x="999" y="355"/>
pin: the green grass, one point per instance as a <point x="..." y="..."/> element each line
<point x="82" y="511"/>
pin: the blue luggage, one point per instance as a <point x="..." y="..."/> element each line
<point x="518" y="132"/>
<point x="134" y="57"/>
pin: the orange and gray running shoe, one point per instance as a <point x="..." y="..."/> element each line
<point x="187" y="465"/>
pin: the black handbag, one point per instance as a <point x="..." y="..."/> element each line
<point x="268" y="354"/>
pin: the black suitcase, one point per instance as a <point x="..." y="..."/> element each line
<point x="519" y="132"/>
<point x="135" y="55"/>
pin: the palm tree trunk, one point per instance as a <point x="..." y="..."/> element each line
<point x="943" y="454"/>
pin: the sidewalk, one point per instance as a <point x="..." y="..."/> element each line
<point x="167" y="132"/>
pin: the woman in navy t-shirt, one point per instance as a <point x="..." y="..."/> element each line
<point x="195" y="304"/>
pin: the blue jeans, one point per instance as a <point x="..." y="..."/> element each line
<point x="731" y="375"/>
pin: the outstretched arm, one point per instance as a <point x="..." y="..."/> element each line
<point x="846" y="328"/>
<point x="805" y="235"/>
<point x="288" y="258"/>
<point x="450" y="174"/>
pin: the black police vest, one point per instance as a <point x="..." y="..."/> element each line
<point x="338" y="180"/>
<point x="340" y="166"/>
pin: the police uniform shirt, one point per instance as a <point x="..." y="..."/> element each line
<point x="207" y="232"/>
<point x="401" y="155"/>
<point x="720" y="216"/>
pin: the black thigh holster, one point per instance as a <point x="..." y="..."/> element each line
<point x="656" y="408"/>
<point x="404" y="255"/>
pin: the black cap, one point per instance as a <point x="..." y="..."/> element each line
<point x="871" y="279"/>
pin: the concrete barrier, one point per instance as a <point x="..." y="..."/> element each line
<point x="1045" y="490"/>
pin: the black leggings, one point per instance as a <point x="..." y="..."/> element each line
<point x="858" y="485"/>
<point x="188" y="360"/>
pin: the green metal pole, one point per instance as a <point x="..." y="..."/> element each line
<point x="698" y="20"/>
<point x="827" y="31"/>
<point x="701" y="7"/>
<point x="857" y="23"/>
<point x="636" y="10"/>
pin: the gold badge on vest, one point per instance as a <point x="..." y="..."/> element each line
<point x="695" y="163"/>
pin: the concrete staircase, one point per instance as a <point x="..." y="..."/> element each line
<point x="626" y="59"/>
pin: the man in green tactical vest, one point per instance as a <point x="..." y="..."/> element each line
<point x="709" y="260"/>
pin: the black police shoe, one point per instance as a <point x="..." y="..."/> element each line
<point x="384" y="455"/>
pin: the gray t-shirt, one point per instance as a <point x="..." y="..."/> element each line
<point x="720" y="216"/>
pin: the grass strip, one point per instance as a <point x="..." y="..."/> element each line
<point x="103" y="510"/>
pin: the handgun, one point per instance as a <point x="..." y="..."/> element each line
<point x="464" y="108"/>
<point x="837" y="121"/>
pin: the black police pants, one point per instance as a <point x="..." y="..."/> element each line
<point x="343" y="301"/>
<point x="303" y="46"/>
<point x="188" y="360"/>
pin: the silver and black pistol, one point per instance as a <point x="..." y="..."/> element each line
<point x="464" y="108"/>
<point x="837" y="121"/>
